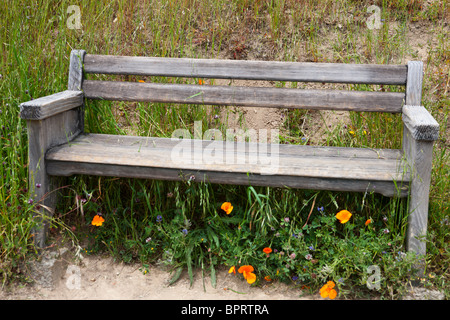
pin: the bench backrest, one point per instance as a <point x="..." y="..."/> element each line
<point x="375" y="101"/>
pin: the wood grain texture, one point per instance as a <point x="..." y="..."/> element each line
<point x="386" y="188"/>
<point x="42" y="135"/>
<point x="418" y="154"/>
<point x="248" y="70"/>
<point x="51" y="105"/>
<point x="224" y="157"/>
<point x="245" y="96"/>
<point x="76" y="70"/>
<point x="420" y="123"/>
<point x="414" y="83"/>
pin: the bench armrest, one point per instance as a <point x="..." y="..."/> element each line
<point x="51" y="105"/>
<point x="420" y="123"/>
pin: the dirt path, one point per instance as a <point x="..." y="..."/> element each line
<point x="101" y="278"/>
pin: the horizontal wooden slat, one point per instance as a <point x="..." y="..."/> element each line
<point x="286" y="149"/>
<point x="248" y="70"/>
<point x="386" y="188"/>
<point x="218" y="156"/>
<point x="245" y="96"/>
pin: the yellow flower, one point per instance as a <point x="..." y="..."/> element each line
<point x="232" y="270"/>
<point x="97" y="221"/>
<point x="343" y="216"/>
<point x="227" y="207"/>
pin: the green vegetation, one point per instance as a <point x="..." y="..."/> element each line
<point x="180" y="224"/>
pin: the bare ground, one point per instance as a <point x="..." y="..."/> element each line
<point x="101" y="278"/>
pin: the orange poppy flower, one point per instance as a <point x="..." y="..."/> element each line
<point x="246" y="268"/>
<point x="368" y="221"/>
<point x="247" y="272"/>
<point x="343" y="216"/>
<point x="267" y="250"/>
<point x="250" y="277"/>
<point x="267" y="278"/>
<point x="227" y="207"/>
<point x="141" y="81"/>
<point x="97" y="221"/>
<point x="232" y="270"/>
<point x="328" y="291"/>
<point x="201" y="82"/>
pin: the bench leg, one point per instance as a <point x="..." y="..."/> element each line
<point x="42" y="135"/>
<point x="419" y="155"/>
<point x="40" y="184"/>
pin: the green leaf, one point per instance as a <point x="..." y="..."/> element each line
<point x="213" y="275"/>
<point x="176" y="276"/>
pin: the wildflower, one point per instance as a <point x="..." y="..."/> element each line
<point x="267" y="278"/>
<point x="159" y="218"/>
<point x="232" y="270"/>
<point x="320" y="209"/>
<point x="30" y="201"/>
<point x="267" y="250"/>
<point x="368" y="222"/>
<point x="97" y="220"/>
<point x="308" y="256"/>
<point x="227" y="207"/>
<point x="38" y="185"/>
<point x="248" y="274"/>
<point x="311" y="248"/>
<point x="250" y="277"/>
<point x="386" y="231"/>
<point x="352" y="132"/>
<point x="201" y="82"/>
<point x="169" y="195"/>
<point x="328" y="291"/>
<point x="141" y="81"/>
<point x="343" y="216"/>
<point x="148" y="240"/>
<point x="185" y="231"/>
<point x="292" y="256"/>
<point x="286" y="219"/>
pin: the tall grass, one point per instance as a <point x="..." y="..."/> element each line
<point x="35" y="44"/>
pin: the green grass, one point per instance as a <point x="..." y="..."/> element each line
<point x="35" y="45"/>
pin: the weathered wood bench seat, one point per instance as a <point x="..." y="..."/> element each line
<point x="58" y="145"/>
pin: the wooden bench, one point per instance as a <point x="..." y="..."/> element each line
<point x="58" y="145"/>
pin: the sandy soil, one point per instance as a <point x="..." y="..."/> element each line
<point x="100" y="278"/>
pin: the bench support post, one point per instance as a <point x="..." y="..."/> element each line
<point x="51" y="120"/>
<point x="420" y="130"/>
